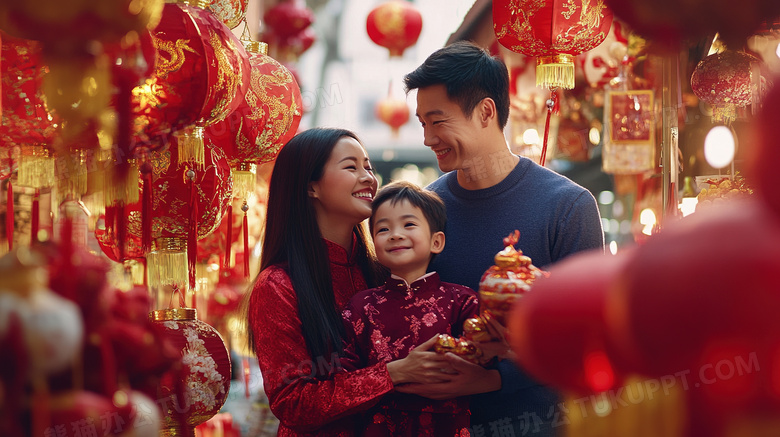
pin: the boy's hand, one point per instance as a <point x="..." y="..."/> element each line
<point x="470" y="379"/>
<point x="422" y="365"/>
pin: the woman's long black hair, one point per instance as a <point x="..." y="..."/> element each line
<point x="292" y="238"/>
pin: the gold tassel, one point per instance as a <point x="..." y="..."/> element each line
<point x="203" y="4"/>
<point x="244" y="180"/>
<point x="36" y="168"/>
<point x="72" y="182"/>
<point x="555" y="71"/>
<point x="191" y="146"/>
<point x="126" y="191"/>
<point x="724" y="114"/>
<point x="167" y="270"/>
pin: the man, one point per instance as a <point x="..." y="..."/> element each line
<point x="463" y="106"/>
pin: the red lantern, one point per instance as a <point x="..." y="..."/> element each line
<point x="395" y="25"/>
<point x="182" y="212"/>
<point x="231" y="12"/>
<point x="288" y="18"/>
<point x="762" y="158"/>
<point x="204" y="381"/>
<point x="553" y="31"/>
<point x="202" y="72"/>
<point x="559" y="330"/>
<point x="267" y="117"/>
<point x="693" y="20"/>
<point x="727" y="81"/>
<point x="393" y="112"/>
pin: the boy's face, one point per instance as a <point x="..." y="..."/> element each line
<point x="403" y="239"/>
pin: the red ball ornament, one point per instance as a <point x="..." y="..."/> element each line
<point x="198" y="391"/>
<point x="267" y="117"/>
<point x="727" y="81"/>
<point x="395" y="25"/>
<point x="231" y="12"/>
<point x="553" y="31"/>
<point x="202" y="72"/>
<point x="393" y="112"/>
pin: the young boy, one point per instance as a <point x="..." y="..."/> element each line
<point x="386" y="323"/>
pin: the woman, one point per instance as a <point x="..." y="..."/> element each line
<point x="315" y="256"/>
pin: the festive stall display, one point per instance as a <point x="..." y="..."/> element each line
<point x="395" y="25"/>
<point x="629" y="132"/>
<point x="555" y="32"/>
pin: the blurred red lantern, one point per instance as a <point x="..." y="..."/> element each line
<point x="553" y="31"/>
<point x="267" y="117"/>
<point x="393" y="112"/>
<point x="231" y="12"/>
<point x="727" y="81"/>
<point x="395" y="25"/>
<point x="559" y="329"/>
<point x="107" y="238"/>
<point x="288" y="18"/>
<point x="204" y="381"/>
<point x="694" y="20"/>
<point x="202" y="72"/>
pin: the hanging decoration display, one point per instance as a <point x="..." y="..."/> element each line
<point x="629" y="132"/>
<point x="202" y="72"/>
<point x="395" y="25"/>
<point x="392" y="111"/>
<point x="727" y="81"/>
<point x="555" y="32"/>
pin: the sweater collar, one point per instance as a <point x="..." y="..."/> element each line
<point x="339" y="255"/>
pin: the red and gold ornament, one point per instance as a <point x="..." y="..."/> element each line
<point x="727" y="81"/>
<point x="395" y="25"/>
<point x="393" y="111"/>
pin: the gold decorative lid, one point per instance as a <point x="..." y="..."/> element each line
<point x="173" y="314"/>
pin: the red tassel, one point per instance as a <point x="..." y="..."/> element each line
<point x="121" y="230"/>
<point x="9" y="215"/>
<point x="146" y="208"/>
<point x="247" y="374"/>
<point x="36" y="212"/>
<point x="245" y="208"/>
<point x="229" y="218"/>
<point x="552" y="107"/>
<point x="192" y="241"/>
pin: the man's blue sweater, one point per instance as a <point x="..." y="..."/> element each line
<point x="556" y="218"/>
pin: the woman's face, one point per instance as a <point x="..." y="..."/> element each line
<point x="344" y="193"/>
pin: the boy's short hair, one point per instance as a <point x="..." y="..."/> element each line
<point x="428" y="201"/>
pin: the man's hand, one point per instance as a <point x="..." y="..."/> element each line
<point x="498" y="346"/>
<point x="470" y="379"/>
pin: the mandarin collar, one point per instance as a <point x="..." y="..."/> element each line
<point x="339" y="255"/>
<point x="395" y="282"/>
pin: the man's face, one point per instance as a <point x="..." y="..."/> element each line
<point x="448" y="132"/>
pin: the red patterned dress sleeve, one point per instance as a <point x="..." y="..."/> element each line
<point x="300" y="402"/>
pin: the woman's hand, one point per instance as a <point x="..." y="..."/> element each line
<point x="422" y="365"/>
<point x="469" y="379"/>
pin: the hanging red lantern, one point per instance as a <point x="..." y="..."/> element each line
<point x="693" y="20"/>
<point x="267" y="117"/>
<point x="395" y="25"/>
<point x="202" y="72"/>
<point x="393" y="111"/>
<point x="230" y="12"/>
<point x="187" y="204"/>
<point x="199" y="390"/>
<point x="553" y="31"/>
<point x="727" y="81"/>
<point x="288" y="18"/>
